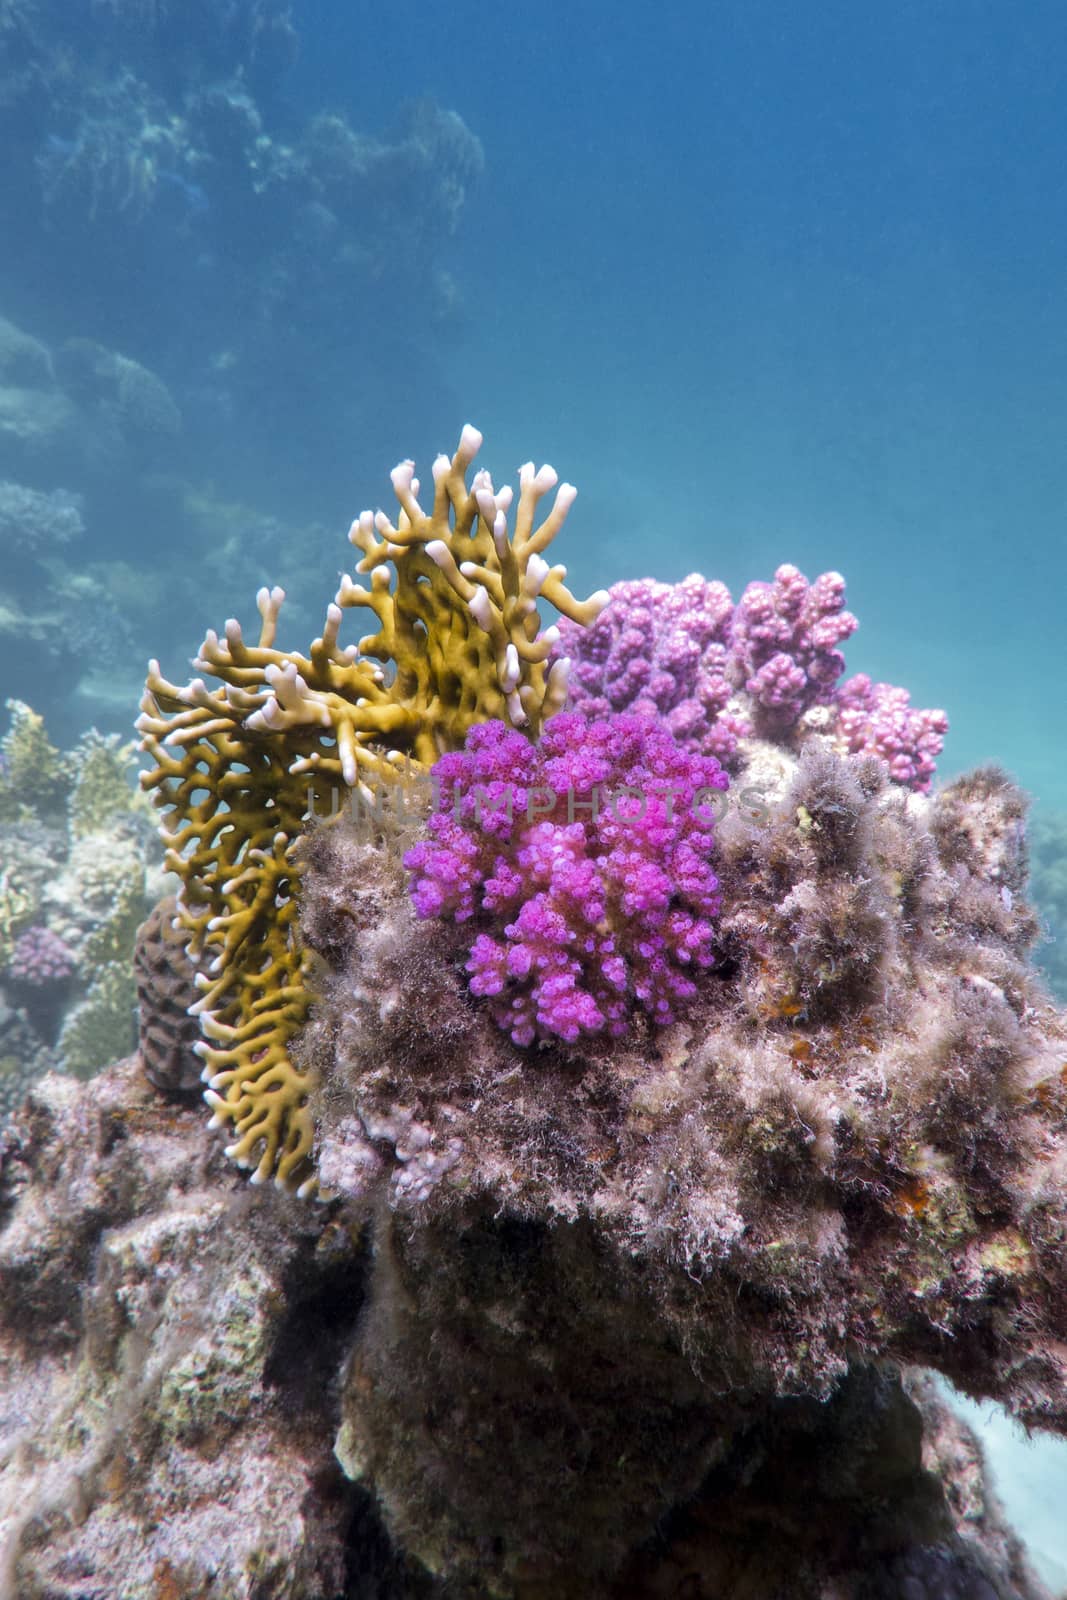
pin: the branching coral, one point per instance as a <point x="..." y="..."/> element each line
<point x="879" y="719"/>
<point x="660" y="649"/>
<point x="585" y="863"/>
<point x="240" y="766"/>
<point x="785" y="641"/>
<point x="717" y="673"/>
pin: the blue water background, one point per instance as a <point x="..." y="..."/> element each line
<point x="772" y="282"/>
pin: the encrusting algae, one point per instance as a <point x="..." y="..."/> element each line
<point x="242" y="763"/>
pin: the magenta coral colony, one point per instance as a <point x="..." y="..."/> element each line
<point x="584" y="864"/>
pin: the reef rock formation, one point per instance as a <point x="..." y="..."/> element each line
<point x="182" y="1379"/>
<point x="595" y="1263"/>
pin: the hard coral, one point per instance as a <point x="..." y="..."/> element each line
<point x="659" y="649"/>
<point x="769" y="666"/>
<point x="784" y="642"/>
<point x="584" y="864"/>
<point x="879" y="719"/>
<point x="40" y="957"/>
<point x="241" y="764"/>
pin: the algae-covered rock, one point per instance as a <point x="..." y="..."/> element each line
<point x="182" y="1380"/>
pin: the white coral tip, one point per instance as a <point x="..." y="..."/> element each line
<point x="566" y="495"/>
<point x="600" y="599"/>
<point x="545" y="478"/>
<point x="402" y="476"/>
<point x="441" y="468"/>
<point x="512" y="670"/>
<point x="481" y="608"/>
<point x="537" y="570"/>
<point x="470" y="442"/>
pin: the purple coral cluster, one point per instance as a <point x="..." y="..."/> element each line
<point x="714" y="672"/>
<point x="879" y="719"/>
<point x="40" y="957"/>
<point x="584" y="863"/>
<point x="660" y="649"/>
<point x="784" y="642"/>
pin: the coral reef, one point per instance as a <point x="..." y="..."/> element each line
<point x="78" y="866"/>
<point x="589" y="854"/>
<point x="769" y="666"/>
<point x="174" y="1350"/>
<point x="89" y="416"/>
<point x="849" y="1147"/>
<point x="220" y="237"/>
<point x="154" y="144"/>
<point x="240" y="767"/>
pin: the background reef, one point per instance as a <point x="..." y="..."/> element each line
<point x="224" y="241"/>
<point x="79" y="868"/>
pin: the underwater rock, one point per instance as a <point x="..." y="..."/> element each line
<point x="594" y="1263"/>
<point x="173" y="1347"/>
<point x="163" y="1407"/>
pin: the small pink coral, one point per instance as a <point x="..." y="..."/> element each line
<point x="879" y="719"/>
<point x="659" y="649"/>
<point x="585" y="865"/>
<point x="40" y="957"/>
<point x="784" y="642"/>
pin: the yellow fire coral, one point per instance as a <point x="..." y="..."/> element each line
<point x="239" y="765"/>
